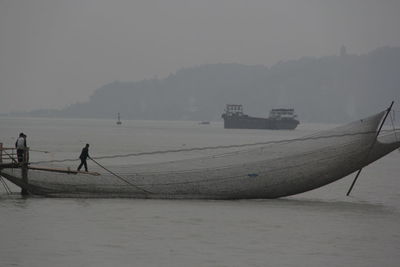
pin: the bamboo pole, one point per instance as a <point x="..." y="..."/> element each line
<point x="372" y="146"/>
<point x="24" y="171"/>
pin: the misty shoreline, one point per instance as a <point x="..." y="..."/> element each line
<point x="329" y="89"/>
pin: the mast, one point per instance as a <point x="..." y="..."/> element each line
<point x="119" y="119"/>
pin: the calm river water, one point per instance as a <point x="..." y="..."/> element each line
<point x="318" y="228"/>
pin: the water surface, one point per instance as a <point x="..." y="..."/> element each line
<point x="318" y="228"/>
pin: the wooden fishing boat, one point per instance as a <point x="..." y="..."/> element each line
<point x="269" y="170"/>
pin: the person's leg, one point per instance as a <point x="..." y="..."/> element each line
<point x="80" y="165"/>
<point x="85" y="163"/>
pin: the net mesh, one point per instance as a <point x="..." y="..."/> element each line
<point x="259" y="170"/>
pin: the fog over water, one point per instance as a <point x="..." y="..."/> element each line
<point x="56" y="53"/>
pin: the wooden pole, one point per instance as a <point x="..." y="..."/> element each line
<point x="24" y="171"/>
<point x="376" y="138"/>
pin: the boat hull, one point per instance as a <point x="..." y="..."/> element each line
<point x="246" y="122"/>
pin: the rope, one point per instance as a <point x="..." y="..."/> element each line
<point x="394" y="128"/>
<point x="41" y="151"/>
<point x="211" y="147"/>
<point x="392" y="119"/>
<point x="8" y="190"/>
<point x="394" y="115"/>
<point x="119" y="177"/>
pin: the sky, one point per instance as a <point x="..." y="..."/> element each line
<point x="54" y="53"/>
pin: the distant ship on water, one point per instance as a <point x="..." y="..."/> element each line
<point x="279" y="119"/>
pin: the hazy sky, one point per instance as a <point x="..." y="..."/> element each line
<point x="54" y="52"/>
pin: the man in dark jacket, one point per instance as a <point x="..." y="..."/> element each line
<point x="84" y="155"/>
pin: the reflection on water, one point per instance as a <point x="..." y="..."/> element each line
<point x="82" y="232"/>
<point x="329" y="205"/>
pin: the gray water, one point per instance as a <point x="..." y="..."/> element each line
<point x="318" y="228"/>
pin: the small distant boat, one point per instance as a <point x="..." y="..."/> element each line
<point x="204" y="122"/>
<point x="119" y="120"/>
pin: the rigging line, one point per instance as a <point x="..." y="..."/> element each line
<point x="8" y="191"/>
<point x="8" y="188"/>
<point x="394" y="128"/>
<point x="119" y="177"/>
<point x="213" y="147"/>
<point x="5" y="187"/>
<point x="42" y="151"/>
<point x="394" y="115"/>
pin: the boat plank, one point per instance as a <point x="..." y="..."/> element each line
<point x="69" y="171"/>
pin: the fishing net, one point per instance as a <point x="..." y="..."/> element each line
<point x="259" y="170"/>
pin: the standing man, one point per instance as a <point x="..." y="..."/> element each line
<point x="20" y="145"/>
<point x="84" y="155"/>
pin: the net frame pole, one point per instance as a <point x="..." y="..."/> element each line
<point x="373" y="143"/>
<point x="24" y="171"/>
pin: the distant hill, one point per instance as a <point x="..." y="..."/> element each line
<point x="327" y="89"/>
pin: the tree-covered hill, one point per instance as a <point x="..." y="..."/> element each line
<point x="326" y="89"/>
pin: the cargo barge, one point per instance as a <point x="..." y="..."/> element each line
<point x="279" y="119"/>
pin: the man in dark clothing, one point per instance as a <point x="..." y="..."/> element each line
<point x="84" y="155"/>
<point x="20" y="145"/>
